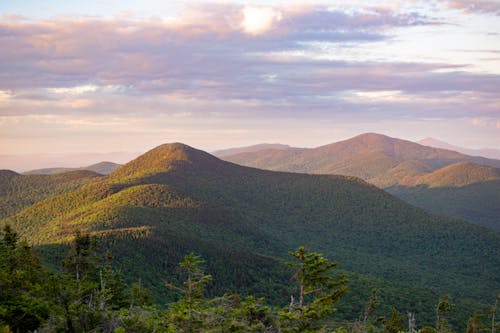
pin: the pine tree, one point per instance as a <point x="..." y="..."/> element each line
<point x="442" y="310"/>
<point x="23" y="305"/>
<point x="188" y="314"/>
<point x="318" y="292"/>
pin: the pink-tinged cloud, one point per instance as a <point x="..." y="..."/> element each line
<point x="216" y="44"/>
<point x="478" y="6"/>
<point x="228" y="59"/>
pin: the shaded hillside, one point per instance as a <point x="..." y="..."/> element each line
<point x="397" y="165"/>
<point x="19" y="191"/>
<point x="175" y="199"/>
<point x="103" y="168"/>
<point x="463" y="190"/>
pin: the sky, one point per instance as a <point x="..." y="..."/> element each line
<point x="107" y="76"/>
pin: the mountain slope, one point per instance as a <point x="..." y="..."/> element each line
<point x="366" y="156"/>
<point x="175" y="199"/>
<point x="459" y="174"/>
<point x="396" y="165"/>
<point x="19" y="191"/>
<point x="465" y="190"/>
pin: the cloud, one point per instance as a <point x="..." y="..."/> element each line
<point x="74" y="90"/>
<point x="257" y="20"/>
<point x="478" y="6"/>
<point x="232" y="60"/>
<point x="64" y="52"/>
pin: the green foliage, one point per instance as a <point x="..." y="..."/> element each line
<point x="318" y="291"/>
<point x="248" y="315"/>
<point x="478" y="202"/>
<point x="23" y="306"/>
<point x="443" y="309"/>
<point x="88" y="295"/>
<point x="19" y="191"/>
<point x="175" y="200"/>
<point x="440" y="181"/>
<point x="395" y="323"/>
<point x="188" y="315"/>
<point x="82" y="259"/>
<point x="373" y="303"/>
<point x="140" y="296"/>
<point x="88" y="292"/>
<point x="428" y="329"/>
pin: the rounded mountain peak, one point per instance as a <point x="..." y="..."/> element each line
<point x="165" y="158"/>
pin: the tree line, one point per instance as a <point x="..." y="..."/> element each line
<point x="87" y="295"/>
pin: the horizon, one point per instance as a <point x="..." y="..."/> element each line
<point x="121" y="76"/>
<point x="37" y="161"/>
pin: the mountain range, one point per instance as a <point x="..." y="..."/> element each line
<point x="439" y="180"/>
<point x="254" y="148"/>
<point x="485" y="152"/>
<point x="103" y="168"/>
<point x="175" y="199"/>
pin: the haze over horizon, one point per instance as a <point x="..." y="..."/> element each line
<point x="100" y="76"/>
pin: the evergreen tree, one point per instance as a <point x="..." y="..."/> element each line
<point x="23" y="305"/>
<point x="373" y="303"/>
<point x="188" y="314"/>
<point x="442" y="311"/>
<point x="395" y="323"/>
<point x="88" y="291"/>
<point x="318" y="292"/>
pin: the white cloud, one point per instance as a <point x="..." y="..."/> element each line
<point x="257" y="20"/>
<point x="78" y="90"/>
<point x="382" y="95"/>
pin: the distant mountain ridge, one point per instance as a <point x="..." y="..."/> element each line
<point x="103" y="168"/>
<point x="387" y="163"/>
<point x="485" y="152"/>
<point x="27" y="162"/>
<point x="175" y="199"/>
<point x="247" y="149"/>
<point x="366" y="156"/>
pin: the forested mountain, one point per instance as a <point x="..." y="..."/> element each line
<point x="465" y="190"/>
<point x="19" y="191"/>
<point x="103" y="168"/>
<point x="366" y="156"/>
<point x="175" y="199"/>
<point x="398" y="166"/>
